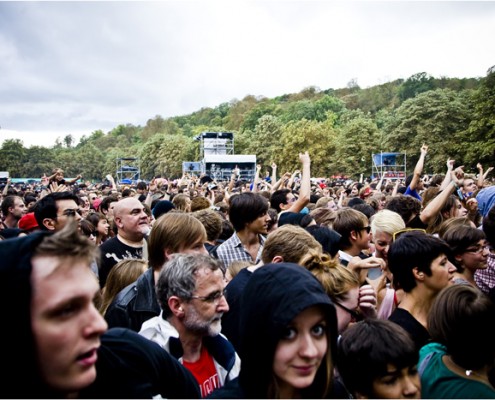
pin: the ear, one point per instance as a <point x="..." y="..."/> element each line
<point x="354" y="235"/>
<point x="278" y="259"/>
<point x="49" y="223"/>
<point x="419" y="276"/>
<point x="118" y="222"/>
<point x="175" y="305"/>
<point x="168" y="253"/>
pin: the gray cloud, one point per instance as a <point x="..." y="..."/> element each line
<point x="68" y="67"/>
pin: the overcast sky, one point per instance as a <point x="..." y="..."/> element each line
<point x="76" y="67"/>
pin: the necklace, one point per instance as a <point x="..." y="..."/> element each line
<point x="468" y="372"/>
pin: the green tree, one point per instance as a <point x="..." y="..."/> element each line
<point x="481" y="131"/>
<point x="39" y="161"/>
<point x="318" y="138"/>
<point x="437" y="118"/>
<point x="164" y="154"/>
<point x="13" y="157"/>
<point x="416" y="84"/>
<point x="357" y="138"/>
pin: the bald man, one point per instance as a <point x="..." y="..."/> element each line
<point x="132" y="227"/>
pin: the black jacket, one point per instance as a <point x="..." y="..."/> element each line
<point x="134" y="304"/>
<point x="130" y="366"/>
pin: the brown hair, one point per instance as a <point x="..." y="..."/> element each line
<point x="170" y="232"/>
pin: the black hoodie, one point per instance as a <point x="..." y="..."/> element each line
<point x="273" y="297"/>
<point x="128" y="364"/>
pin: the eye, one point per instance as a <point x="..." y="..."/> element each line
<point x="319" y="330"/>
<point x="289" y="333"/>
<point x="67" y="310"/>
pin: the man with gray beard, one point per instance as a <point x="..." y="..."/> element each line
<point x="191" y="293"/>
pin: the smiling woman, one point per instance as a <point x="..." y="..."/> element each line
<point x="289" y="336"/>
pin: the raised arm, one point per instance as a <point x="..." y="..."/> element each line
<point x="448" y="176"/>
<point x="305" y="189"/>
<point x="429" y="213"/>
<point x="274" y="173"/>
<point x="418" y="169"/>
<point x="256" y="178"/>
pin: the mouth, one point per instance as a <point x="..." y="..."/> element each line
<point x="305" y="370"/>
<point x="89" y="358"/>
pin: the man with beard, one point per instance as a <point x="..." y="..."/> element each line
<point x="191" y="293"/>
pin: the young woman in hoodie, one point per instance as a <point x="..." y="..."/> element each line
<point x="288" y="335"/>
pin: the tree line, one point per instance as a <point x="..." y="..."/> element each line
<point x="341" y="129"/>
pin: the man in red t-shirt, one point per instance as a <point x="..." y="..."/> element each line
<point x="191" y="293"/>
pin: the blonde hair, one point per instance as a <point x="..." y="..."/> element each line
<point x="386" y="221"/>
<point x="291" y="242"/>
<point x="121" y="275"/>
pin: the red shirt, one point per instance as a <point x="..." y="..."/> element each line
<point x="205" y="372"/>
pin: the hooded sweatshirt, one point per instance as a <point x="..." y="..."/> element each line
<point x="273" y="297"/>
<point x="139" y="369"/>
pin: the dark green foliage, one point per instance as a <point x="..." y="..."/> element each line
<point x="340" y="128"/>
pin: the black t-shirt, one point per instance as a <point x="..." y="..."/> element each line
<point x="112" y="251"/>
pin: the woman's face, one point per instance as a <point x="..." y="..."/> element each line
<point x="300" y="351"/>
<point x="350" y="301"/>
<point x="382" y="241"/>
<point x="103" y="227"/>
<point x="458" y="210"/>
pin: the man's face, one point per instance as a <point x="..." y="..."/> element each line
<point x="131" y="220"/>
<point x="260" y="224"/>
<point x="289" y="201"/>
<point x="66" y="325"/>
<point x="203" y="316"/>
<point x="66" y="209"/>
<point x="469" y="186"/>
<point x="18" y="209"/>
<point x="196" y="247"/>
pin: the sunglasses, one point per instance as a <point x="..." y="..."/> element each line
<point x="71" y="213"/>
<point x="397" y="234"/>
<point x="366" y="228"/>
<point x="355" y="316"/>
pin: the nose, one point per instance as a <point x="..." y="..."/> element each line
<point x="96" y="323"/>
<point x="307" y="347"/>
<point x="411" y="386"/>
<point x="223" y="306"/>
<point x="452" y="268"/>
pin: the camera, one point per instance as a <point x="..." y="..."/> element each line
<point x="212" y="186"/>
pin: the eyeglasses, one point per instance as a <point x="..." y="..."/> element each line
<point x="212" y="297"/>
<point x="397" y="234"/>
<point x="355" y="316"/>
<point x="366" y="228"/>
<point x="478" y="249"/>
<point x="70" y="212"/>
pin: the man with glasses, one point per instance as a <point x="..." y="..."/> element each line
<point x="191" y="293"/>
<point x="53" y="211"/>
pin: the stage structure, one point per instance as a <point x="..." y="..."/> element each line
<point x="220" y="167"/>
<point x="128" y="170"/>
<point x="218" y="159"/>
<point x="390" y="165"/>
<point x="215" y="143"/>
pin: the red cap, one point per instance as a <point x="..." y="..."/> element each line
<point x="28" y="222"/>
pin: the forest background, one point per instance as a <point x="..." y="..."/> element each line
<point x="340" y="128"/>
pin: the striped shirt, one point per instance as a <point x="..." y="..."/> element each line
<point x="233" y="250"/>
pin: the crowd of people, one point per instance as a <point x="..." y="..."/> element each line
<point x="284" y="287"/>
